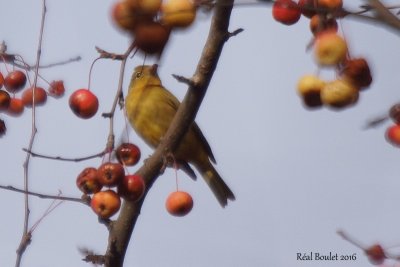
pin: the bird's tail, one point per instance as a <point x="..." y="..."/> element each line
<point x="220" y="189"/>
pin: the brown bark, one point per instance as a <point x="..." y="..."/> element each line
<point x="121" y="229"/>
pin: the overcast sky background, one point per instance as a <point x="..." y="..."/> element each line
<point x="298" y="175"/>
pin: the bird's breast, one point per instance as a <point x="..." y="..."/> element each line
<point x="148" y="115"/>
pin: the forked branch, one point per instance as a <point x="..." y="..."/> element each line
<point x="121" y="230"/>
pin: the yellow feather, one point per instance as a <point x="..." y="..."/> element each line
<point x="150" y="109"/>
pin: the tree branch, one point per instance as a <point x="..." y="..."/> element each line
<point x="15" y="61"/>
<point x="78" y="159"/>
<point x="44" y="196"/>
<point x="121" y="229"/>
<point x="385" y="15"/>
<point x="118" y="94"/>
<point x="382" y="14"/>
<point x="26" y="235"/>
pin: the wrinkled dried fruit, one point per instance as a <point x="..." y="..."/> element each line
<point x="358" y="72"/>
<point x="56" y="89"/>
<point x="339" y="94"/>
<point x="110" y="174"/>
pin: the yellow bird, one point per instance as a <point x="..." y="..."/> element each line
<point x="150" y="109"/>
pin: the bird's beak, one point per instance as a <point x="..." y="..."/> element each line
<point x="153" y="69"/>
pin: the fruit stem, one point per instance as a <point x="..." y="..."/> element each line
<point x="5" y="64"/>
<point x="126" y="125"/>
<point x="54" y="204"/>
<point x="26" y="233"/>
<point x="119" y="90"/>
<point x="176" y="176"/>
<point x="27" y="67"/>
<point x="345" y="39"/>
<point x="90" y="71"/>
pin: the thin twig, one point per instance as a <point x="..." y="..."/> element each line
<point x="92" y="257"/>
<point x="65" y="62"/>
<point x="385" y="15"/>
<point x="104" y="54"/>
<point x="182" y="79"/>
<point x="234" y="33"/>
<point x="44" y="196"/>
<point x="26" y="235"/>
<point x="375" y="122"/>
<point x="110" y="115"/>
<point x="90" y="72"/>
<point x="98" y="155"/>
<point x="12" y="59"/>
<point x="54" y="204"/>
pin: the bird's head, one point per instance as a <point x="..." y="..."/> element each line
<point x="145" y="75"/>
<point x="145" y="70"/>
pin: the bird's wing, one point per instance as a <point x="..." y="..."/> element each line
<point x="203" y="141"/>
<point x="171" y="99"/>
<point x="184" y="166"/>
<point x="174" y="103"/>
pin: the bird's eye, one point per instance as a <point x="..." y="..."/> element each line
<point x="138" y="74"/>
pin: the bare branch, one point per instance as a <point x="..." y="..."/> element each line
<point x="83" y="200"/>
<point x="385" y="15"/>
<point x="121" y="231"/>
<point x="91" y="257"/>
<point x="182" y="79"/>
<point x="25" y="241"/>
<point x="26" y="235"/>
<point x="372" y="123"/>
<point x="110" y="140"/>
<point x="95" y="259"/>
<point x="98" y="155"/>
<point x="235" y="32"/>
<point x="65" y="62"/>
<point x="12" y="59"/>
<point x="104" y="54"/>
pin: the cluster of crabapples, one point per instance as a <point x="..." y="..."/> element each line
<point x="110" y="175"/>
<point x="330" y="51"/>
<point x="150" y="22"/>
<point x="15" y="96"/>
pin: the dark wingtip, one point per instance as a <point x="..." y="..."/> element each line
<point x="223" y="193"/>
<point x="184" y="166"/>
<point x="230" y="197"/>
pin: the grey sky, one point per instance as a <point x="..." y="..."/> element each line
<point x="298" y="175"/>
